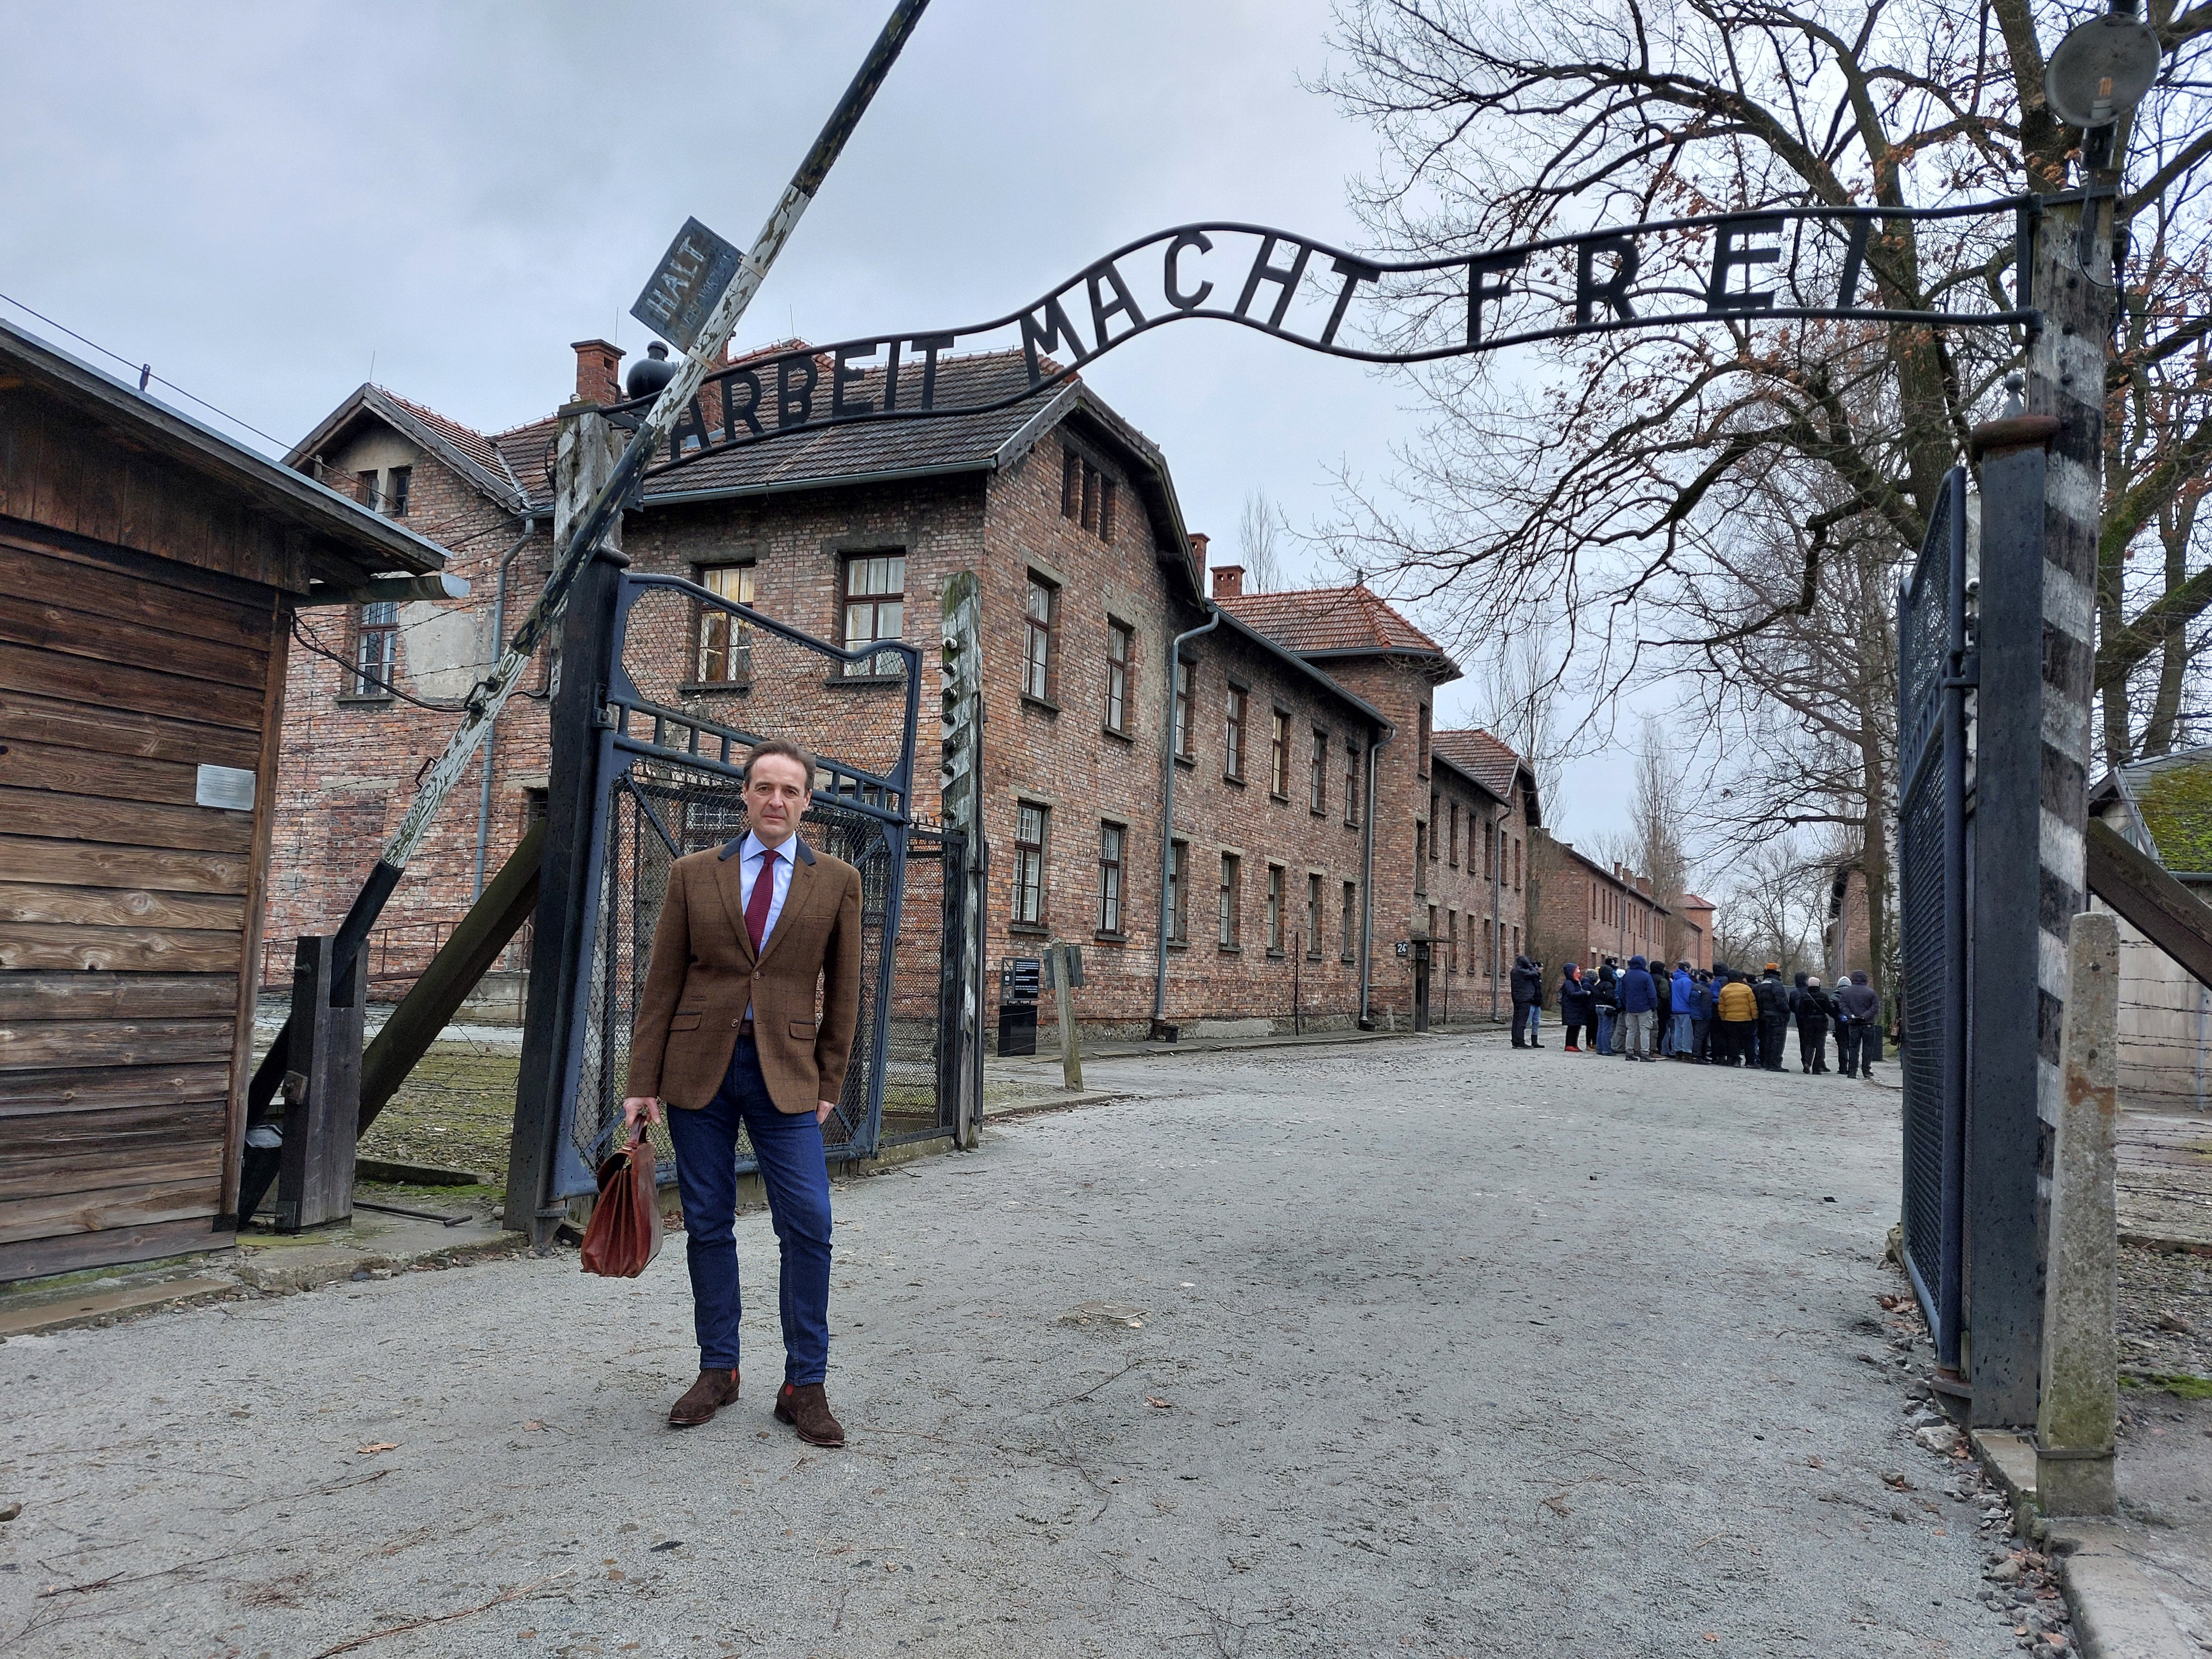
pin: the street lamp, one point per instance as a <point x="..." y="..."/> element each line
<point x="2100" y="73"/>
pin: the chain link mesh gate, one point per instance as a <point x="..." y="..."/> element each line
<point x="1934" y="845"/>
<point x="697" y="680"/>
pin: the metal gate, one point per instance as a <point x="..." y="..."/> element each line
<point x="1935" y="830"/>
<point x="694" y="681"/>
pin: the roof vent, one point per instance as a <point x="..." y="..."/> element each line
<point x="650" y="373"/>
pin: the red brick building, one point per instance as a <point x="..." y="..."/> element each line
<point x="1585" y="909"/>
<point x="1697" y="917"/>
<point x="1441" y="904"/>
<point x="1301" y="763"/>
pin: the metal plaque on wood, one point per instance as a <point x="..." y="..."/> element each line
<point x="230" y="787"/>
<point x="691" y="276"/>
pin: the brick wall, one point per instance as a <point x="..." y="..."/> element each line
<point x="349" y="765"/>
<point x="1583" y="915"/>
<point x="1057" y="753"/>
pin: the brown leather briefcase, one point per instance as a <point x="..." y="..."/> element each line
<point x="624" y="1235"/>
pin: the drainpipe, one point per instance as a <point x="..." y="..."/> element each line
<point x="1374" y="746"/>
<point x="1167" y="812"/>
<point x="491" y="727"/>
<point x="1497" y="903"/>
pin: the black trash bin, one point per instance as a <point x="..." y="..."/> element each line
<point x="1016" y="1029"/>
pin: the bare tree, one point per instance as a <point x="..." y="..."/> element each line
<point x="1657" y="815"/>
<point x="1518" y="692"/>
<point x="1802" y="709"/>
<point x="1769" y="912"/>
<point x="1583" y="492"/>
<point x="1259" y="533"/>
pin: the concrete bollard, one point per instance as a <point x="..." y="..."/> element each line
<point x="2080" y="1402"/>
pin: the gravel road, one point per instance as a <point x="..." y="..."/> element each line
<point x="1425" y="1347"/>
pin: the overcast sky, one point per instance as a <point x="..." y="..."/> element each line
<point x="263" y="200"/>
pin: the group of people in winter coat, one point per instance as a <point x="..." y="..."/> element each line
<point x="1724" y="1017"/>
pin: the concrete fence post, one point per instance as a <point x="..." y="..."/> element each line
<point x="1070" y="1040"/>
<point x="2076" y="1417"/>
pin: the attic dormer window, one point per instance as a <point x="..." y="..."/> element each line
<point x="397" y="482"/>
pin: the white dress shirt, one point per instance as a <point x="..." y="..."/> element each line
<point x="750" y="860"/>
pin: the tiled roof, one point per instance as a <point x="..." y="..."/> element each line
<point x="1475" y="751"/>
<point x="938" y="444"/>
<point x="470" y="443"/>
<point x="2172" y="797"/>
<point x="527" y="451"/>
<point x="1691" y="901"/>
<point x="1314" y="621"/>
<point x="515" y="466"/>
<point x="468" y="452"/>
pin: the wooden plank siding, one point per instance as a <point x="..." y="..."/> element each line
<point x="129" y="914"/>
<point x="128" y="688"/>
<point x="113" y="732"/>
<point x="116" y="996"/>
<point x="104" y="1088"/>
<point x="60" y="470"/>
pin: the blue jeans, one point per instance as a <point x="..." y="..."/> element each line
<point x="789" y="1148"/>
<point x="1684" y="1043"/>
<point x="1604" y="1030"/>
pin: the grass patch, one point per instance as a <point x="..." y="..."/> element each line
<point x="2178" y="1383"/>
<point x="456" y="1110"/>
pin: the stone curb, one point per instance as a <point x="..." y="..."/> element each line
<point x="217" y="1277"/>
<point x="1121" y="1050"/>
<point x="1065" y="1102"/>
<point x="2117" y="1614"/>
<point x="314" y="1275"/>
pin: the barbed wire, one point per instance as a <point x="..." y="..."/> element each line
<point x="145" y="375"/>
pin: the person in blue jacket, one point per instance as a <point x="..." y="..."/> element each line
<point x="1685" y="1000"/>
<point x="1701" y="1020"/>
<point x="1640" y="997"/>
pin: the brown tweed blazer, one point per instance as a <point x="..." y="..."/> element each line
<point x="804" y="990"/>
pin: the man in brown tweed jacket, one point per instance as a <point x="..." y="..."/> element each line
<point x="747" y="1019"/>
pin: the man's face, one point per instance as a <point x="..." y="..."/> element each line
<point x="777" y="789"/>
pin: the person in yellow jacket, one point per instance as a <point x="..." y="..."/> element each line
<point x="1736" y="1015"/>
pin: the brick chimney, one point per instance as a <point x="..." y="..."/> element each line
<point x="1198" y="555"/>
<point x="598" y="371"/>
<point x="1228" y="581"/>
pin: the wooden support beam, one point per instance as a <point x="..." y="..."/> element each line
<point x="507" y="900"/>
<point x="2152" y="902"/>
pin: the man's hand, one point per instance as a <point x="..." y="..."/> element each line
<point x="640" y="1106"/>
<point x="823" y="1108"/>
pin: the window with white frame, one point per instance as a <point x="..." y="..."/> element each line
<point x="726" y="641"/>
<point x="875" y="607"/>
<point x="376" y="649"/>
<point x="1036" y="653"/>
<point x="1120" y="638"/>
<point x="1030" y="823"/>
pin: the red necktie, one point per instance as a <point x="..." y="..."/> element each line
<point x="756" y="901"/>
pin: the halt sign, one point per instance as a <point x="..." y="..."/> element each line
<point x="690" y="277"/>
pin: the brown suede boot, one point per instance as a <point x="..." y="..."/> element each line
<point x="712" y="1391"/>
<point x="806" y="1408"/>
